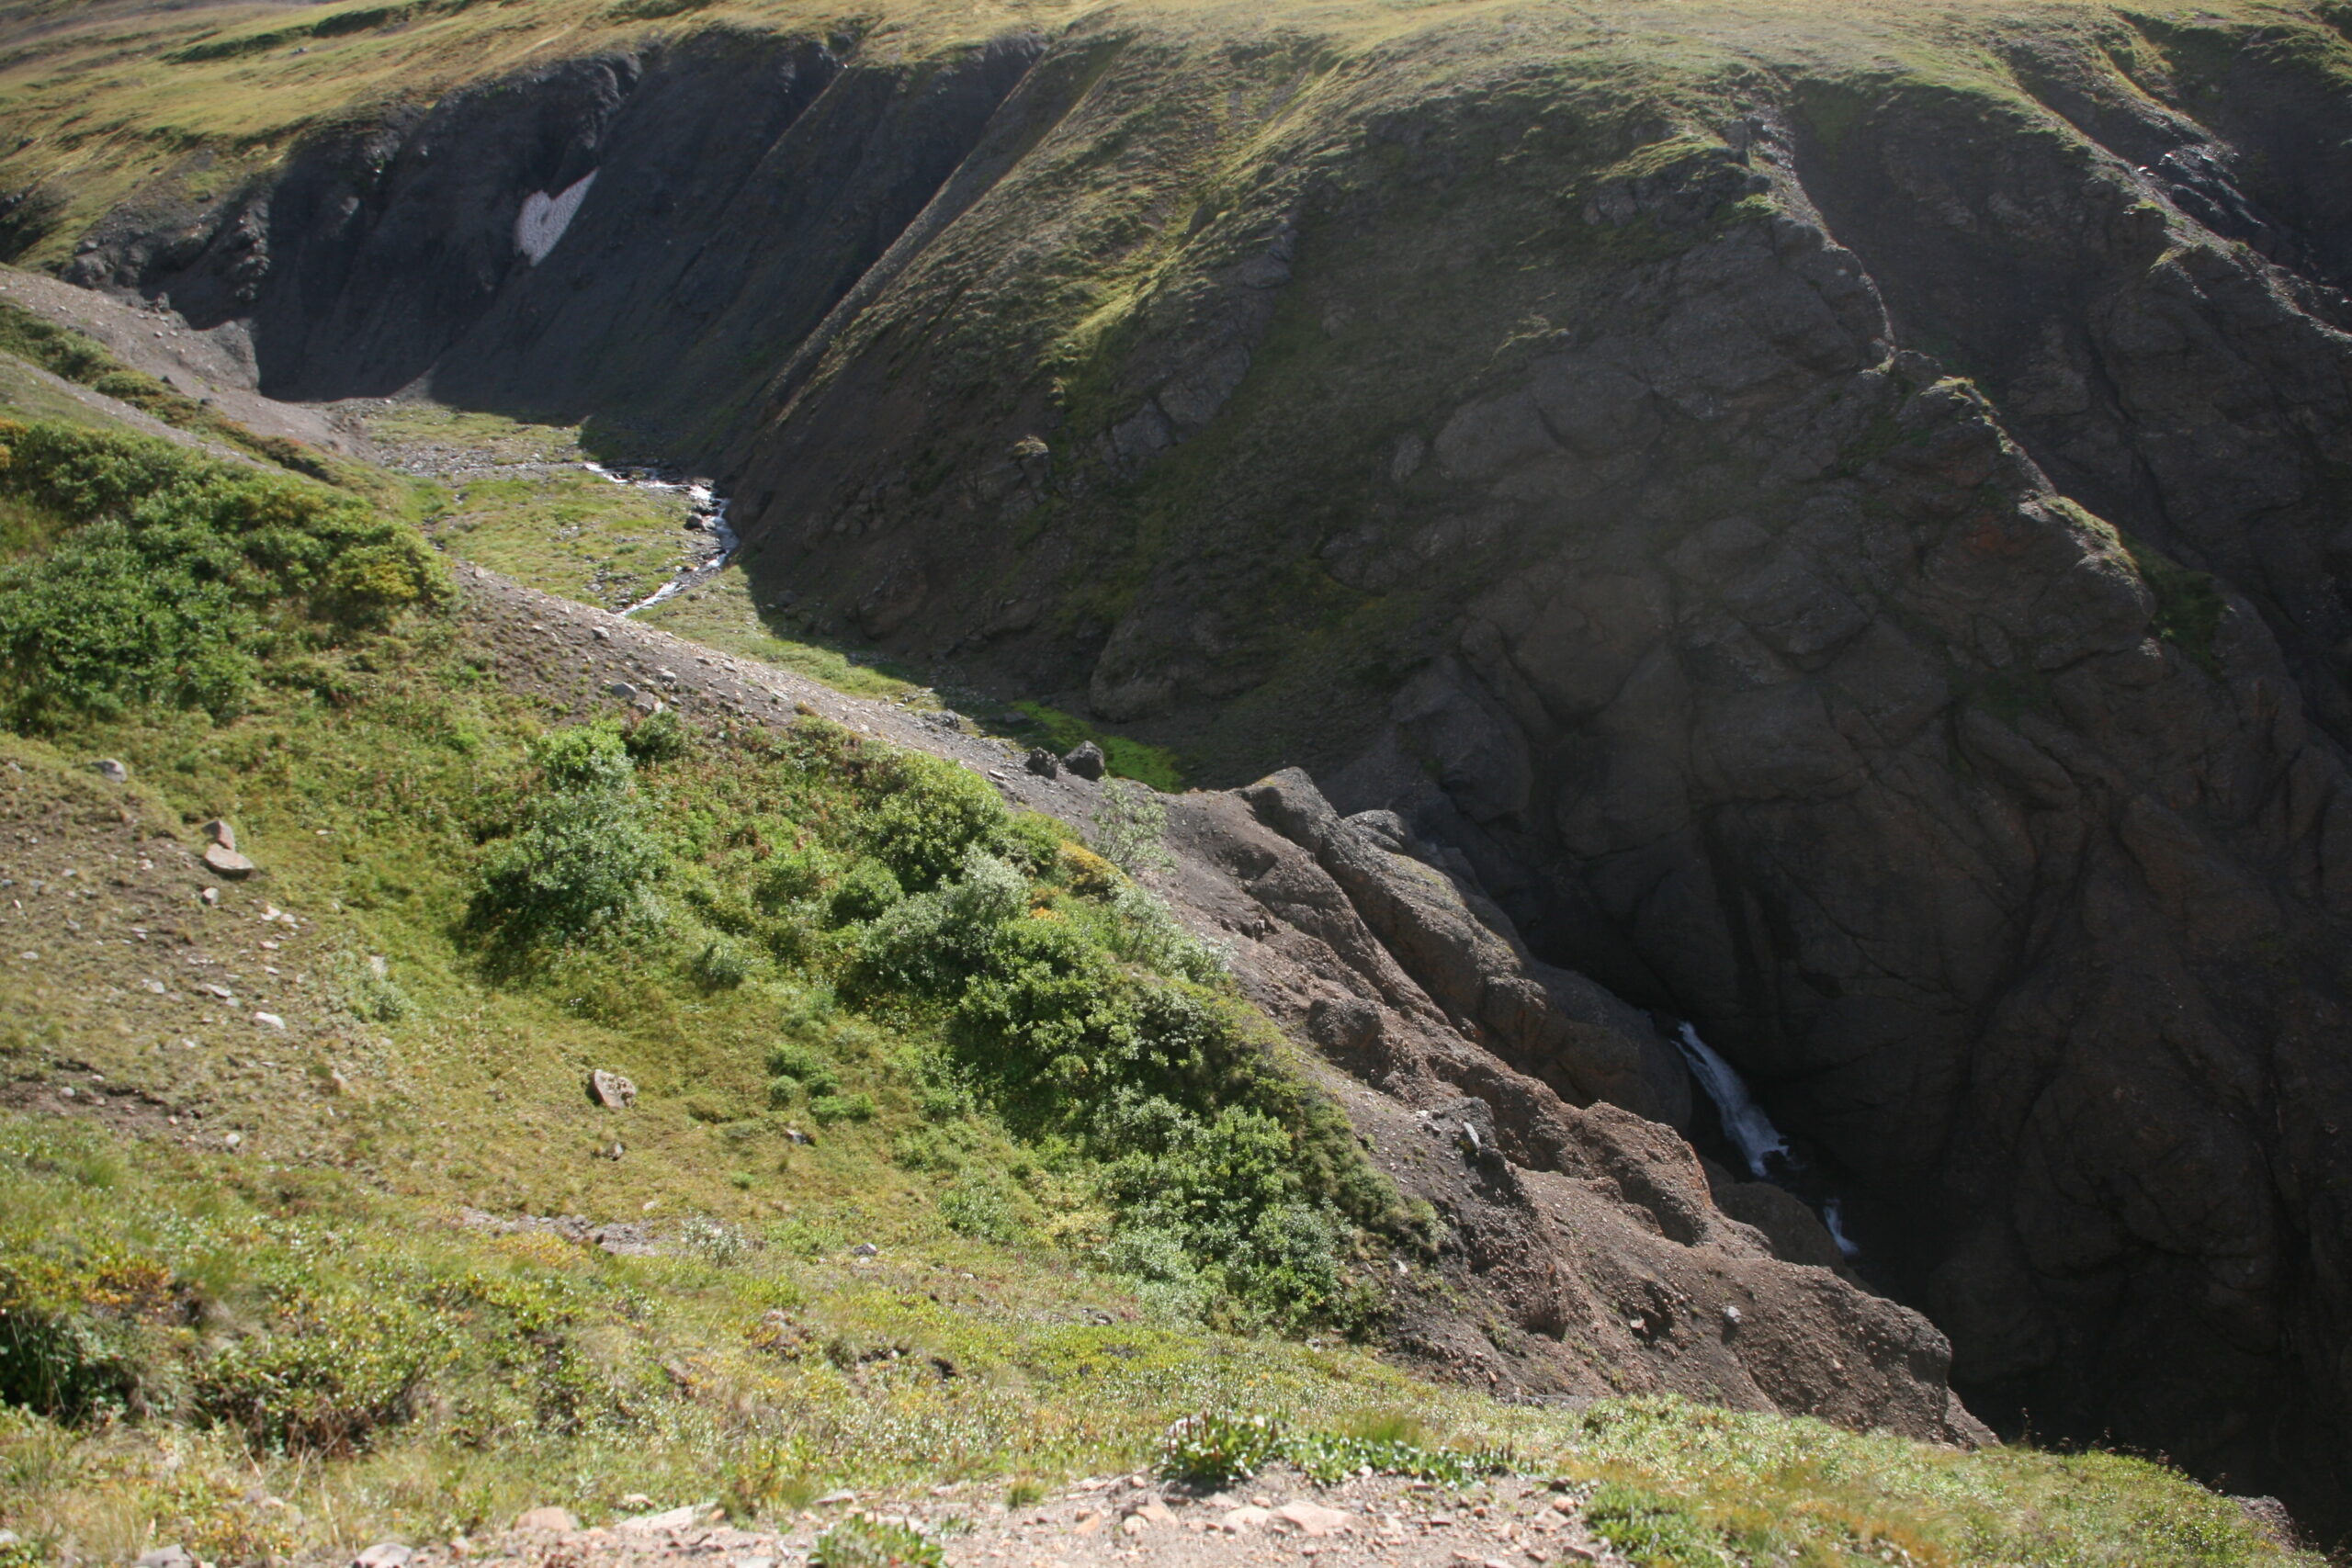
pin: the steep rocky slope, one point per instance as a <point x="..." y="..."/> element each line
<point x="1832" y="513"/>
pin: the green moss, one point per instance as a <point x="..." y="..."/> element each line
<point x="1126" y="757"/>
<point x="2188" y="603"/>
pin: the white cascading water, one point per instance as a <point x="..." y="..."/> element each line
<point x="709" y="515"/>
<point x="1833" y="1218"/>
<point x="1743" y="1120"/>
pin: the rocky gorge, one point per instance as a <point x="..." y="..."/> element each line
<point x="1822" y="526"/>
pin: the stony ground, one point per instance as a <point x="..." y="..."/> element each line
<point x="1279" y="1518"/>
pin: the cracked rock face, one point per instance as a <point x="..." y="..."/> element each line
<point x="1852" y="558"/>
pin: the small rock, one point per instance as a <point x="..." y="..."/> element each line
<point x="668" y="1520"/>
<point x="378" y="966"/>
<point x="153" y="988"/>
<point x="1564" y="1503"/>
<point x="795" y="1135"/>
<point x="210" y="895"/>
<point x="110" y="770"/>
<point x="384" y="1554"/>
<point x="270" y="1021"/>
<point x="223" y="992"/>
<point x="219" y="831"/>
<point x="1044" y="763"/>
<point x="167" y="1557"/>
<point x="1086" y="761"/>
<point x="237" y="1141"/>
<point x="863" y="1249"/>
<point x="228" y="861"/>
<point x="1248" y="1517"/>
<point x="611" y="1090"/>
<point x="829" y="1498"/>
<point x="1134" y="1525"/>
<point x="1731" y="1315"/>
<point x="620" y="689"/>
<point x="637" y="1500"/>
<point x="1314" y="1518"/>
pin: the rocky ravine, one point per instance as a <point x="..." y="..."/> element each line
<point x="1839" y="530"/>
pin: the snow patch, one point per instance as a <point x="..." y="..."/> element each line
<point x="544" y="218"/>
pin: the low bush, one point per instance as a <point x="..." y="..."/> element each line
<point x="1212" y="1449"/>
<point x="169" y="577"/>
<point x="862" y="1540"/>
<point x="585" y="856"/>
<point x="326" y="1374"/>
<point x="828" y="1108"/>
<point x="657" y="737"/>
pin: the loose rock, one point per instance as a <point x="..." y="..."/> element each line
<point x="1043" y="763"/>
<point x="1086" y="761"/>
<point x="111" y="770"/>
<point x="611" y="1090"/>
<point x="228" y="861"/>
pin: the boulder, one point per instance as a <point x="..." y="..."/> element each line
<point x="1086" y="761"/>
<point x="611" y="1090"/>
<point x="1043" y="763"/>
<point x="228" y="861"/>
<point x="548" y="1519"/>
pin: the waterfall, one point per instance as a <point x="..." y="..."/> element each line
<point x="1833" y="1218"/>
<point x="1743" y="1120"/>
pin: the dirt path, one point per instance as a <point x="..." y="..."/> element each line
<point x="575" y="655"/>
<point x="216" y="365"/>
<point x="1279" y="1518"/>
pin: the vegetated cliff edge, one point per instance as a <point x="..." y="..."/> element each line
<point x="1836" y="518"/>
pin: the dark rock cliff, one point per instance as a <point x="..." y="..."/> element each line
<point x="1851" y="554"/>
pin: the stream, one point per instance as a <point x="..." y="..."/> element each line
<point x="709" y="515"/>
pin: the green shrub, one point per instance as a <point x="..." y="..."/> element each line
<point x="721" y="965"/>
<point x="1130" y="828"/>
<point x="1653" y="1530"/>
<point x="862" y="1540"/>
<point x="924" y="813"/>
<point x="828" y="1108"/>
<point x="326" y="1374"/>
<point x="786" y="879"/>
<point x="795" y="1064"/>
<point x="657" y="737"/>
<point x="587" y="859"/>
<point x="863" y="891"/>
<point x="169" y="577"/>
<point x="1213" y="1450"/>
<point x="64" y="1364"/>
<point x="980" y="1208"/>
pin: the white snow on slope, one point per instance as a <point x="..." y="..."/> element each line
<point x="544" y="218"/>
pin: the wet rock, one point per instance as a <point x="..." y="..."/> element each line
<point x="1086" y="761"/>
<point x="611" y="1090"/>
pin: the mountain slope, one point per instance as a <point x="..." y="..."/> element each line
<point x="1830" y="509"/>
